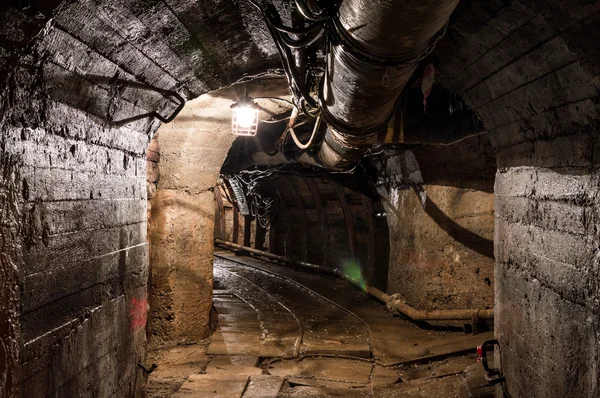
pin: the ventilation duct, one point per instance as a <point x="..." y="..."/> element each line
<point x="375" y="48"/>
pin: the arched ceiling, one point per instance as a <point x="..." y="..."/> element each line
<point x="117" y="60"/>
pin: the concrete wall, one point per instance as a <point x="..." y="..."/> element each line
<point x="441" y="256"/>
<point x="81" y="201"/>
<point x="531" y="72"/>
<point x="10" y="260"/>
<point x="192" y="150"/>
<point x="73" y="223"/>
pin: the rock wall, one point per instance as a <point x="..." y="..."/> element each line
<point x="531" y="72"/>
<point x="192" y="150"/>
<point x="441" y="256"/>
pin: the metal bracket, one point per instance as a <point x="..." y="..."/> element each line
<point x="147" y="370"/>
<point x="492" y="375"/>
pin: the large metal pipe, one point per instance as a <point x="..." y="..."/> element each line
<point x="377" y="46"/>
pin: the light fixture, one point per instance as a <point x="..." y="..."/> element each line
<point x="244" y="118"/>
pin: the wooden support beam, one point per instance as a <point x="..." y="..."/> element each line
<point x="348" y="216"/>
<point x="323" y="219"/>
<point x="369" y="214"/>
<point x="272" y="235"/>
<point x="236" y="225"/>
<point x="220" y="214"/>
<point x="259" y="236"/>
<point x="287" y="225"/>
<point x="299" y="206"/>
<point x="247" y="230"/>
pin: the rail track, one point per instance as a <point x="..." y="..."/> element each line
<point x="286" y="333"/>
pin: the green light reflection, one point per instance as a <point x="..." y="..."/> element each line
<point x="352" y="272"/>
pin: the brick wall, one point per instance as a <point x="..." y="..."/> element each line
<point x="530" y="70"/>
<point x="82" y="84"/>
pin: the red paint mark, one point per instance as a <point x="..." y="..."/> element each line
<point x="427" y="83"/>
<point x="137" y="316"/>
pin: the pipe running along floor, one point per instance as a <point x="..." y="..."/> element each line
<point x="287" y="333"/>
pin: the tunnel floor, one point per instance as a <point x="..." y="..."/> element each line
<point x="286" y="333"/>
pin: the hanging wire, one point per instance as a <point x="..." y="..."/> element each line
<point x="275" y="121"/>
<point x="262" y="207"/>
<point x="312" y="137"/>
<point x="284" y="43"/>
<point x="309" y="14"/>
<point x="275" y="99"/>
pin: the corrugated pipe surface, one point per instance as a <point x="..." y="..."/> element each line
<point x="376" y="48"/>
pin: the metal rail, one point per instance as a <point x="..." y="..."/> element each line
<point x="302" y="264"/>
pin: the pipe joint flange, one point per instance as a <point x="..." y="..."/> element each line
<point x="390" y="307"/>
<point x="391" y="304"/>
<point x="348" y="140"/>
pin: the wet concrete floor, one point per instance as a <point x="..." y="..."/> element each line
<point x="285" y="333"/>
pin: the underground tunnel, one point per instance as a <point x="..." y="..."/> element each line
<point x="299" y="198"/>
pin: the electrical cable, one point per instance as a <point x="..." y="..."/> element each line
<point x="309" y="142"/>
<point x="275" y="121"/>
<point x="304" y="42"/>
<point x="308" y="13"/>
<point x="298" y="31"/>
<point x="295" y="81"/>
<point x="275" y="99"/>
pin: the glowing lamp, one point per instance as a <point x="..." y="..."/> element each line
<point x="244" y="119"/>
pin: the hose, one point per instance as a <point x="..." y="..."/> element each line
<point x="312" y="137"/>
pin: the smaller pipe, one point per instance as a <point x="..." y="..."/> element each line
<point x="302" y="264"/>
<point x="312" y="137"/>
<point x="394" y="303"/>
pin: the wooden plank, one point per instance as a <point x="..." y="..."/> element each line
<point x="220" y="232"/>
<point x="209" y="386"/>
<point x="259" y="237"/>
<point x="263" y="386"/>
<point x="285" y="219"/>
<point x="247" y="230"/>
<point x="236" y="225"/>
<point x="348" y="216"/>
